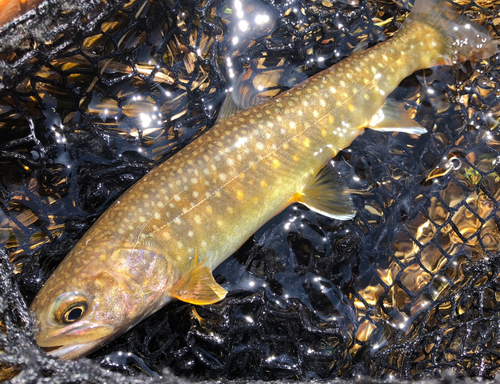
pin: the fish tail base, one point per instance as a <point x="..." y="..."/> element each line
<point x="463" y="39"/>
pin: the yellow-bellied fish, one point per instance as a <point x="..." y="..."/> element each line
<point x="162" y="239"/>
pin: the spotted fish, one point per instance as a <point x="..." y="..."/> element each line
<point x="162" y="239"/>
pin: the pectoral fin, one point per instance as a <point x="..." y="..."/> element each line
<point x="393" y="117"/>
<point x="198" y="287"/>
<point x="328" y="195"/>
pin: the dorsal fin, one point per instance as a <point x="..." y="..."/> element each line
<point x="229" y="108"/>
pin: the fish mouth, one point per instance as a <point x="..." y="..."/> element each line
<point x="70" y="352"/>
<point x="75" y="343"/>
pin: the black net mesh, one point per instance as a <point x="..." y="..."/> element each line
<point x="94" y="95"/>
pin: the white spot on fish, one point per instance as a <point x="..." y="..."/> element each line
<point x="241" y="141"/>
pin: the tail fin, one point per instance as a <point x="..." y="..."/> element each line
<point x="465" y="39"/>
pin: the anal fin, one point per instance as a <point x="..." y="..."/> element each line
<point x="198" y="286"/>
<point x="328" y="194"/>
<point x="393" y="117"/>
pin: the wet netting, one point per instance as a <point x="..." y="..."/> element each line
<point x="93" y="94"/>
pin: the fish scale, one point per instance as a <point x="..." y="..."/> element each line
<point x="164" y="236"/>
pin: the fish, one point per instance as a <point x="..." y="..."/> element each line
<point x="162" y="239"/>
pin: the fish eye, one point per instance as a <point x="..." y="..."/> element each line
<point x="73" y="314"/>
<point x="70" y="307"/>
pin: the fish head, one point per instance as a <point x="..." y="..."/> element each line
<point x="86" y="303"/>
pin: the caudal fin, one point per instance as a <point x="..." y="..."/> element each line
<point x="464" y="39"/>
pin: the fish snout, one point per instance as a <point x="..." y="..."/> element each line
<point x="74" y="342"/>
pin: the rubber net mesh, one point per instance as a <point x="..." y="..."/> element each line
<point x="94" y="95"/>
